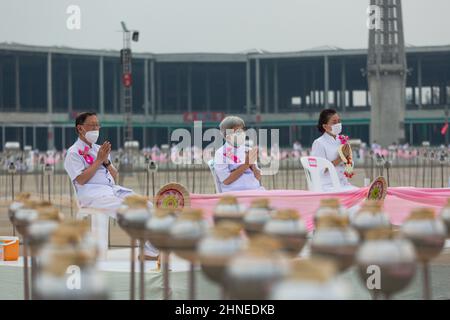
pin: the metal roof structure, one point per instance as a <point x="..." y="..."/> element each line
<point x="215" y="57"/>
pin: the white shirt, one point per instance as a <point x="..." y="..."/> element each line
<point x="228" y="158"/>
<point x="297" y="147"/>
<point x="327" y="147"/>
<point x="101" y="184"/>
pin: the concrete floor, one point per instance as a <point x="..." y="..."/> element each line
<point x="115" y="273"/>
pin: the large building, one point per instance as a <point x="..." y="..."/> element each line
<point x="42" y="89"/>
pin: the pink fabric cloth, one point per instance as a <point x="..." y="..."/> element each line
<point x="398" y="203"/>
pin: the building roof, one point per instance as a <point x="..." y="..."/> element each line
<point x="215" y="57"/>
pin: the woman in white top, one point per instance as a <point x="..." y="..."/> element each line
<point x="234" y="165"/>
<point x="327" y="145"/>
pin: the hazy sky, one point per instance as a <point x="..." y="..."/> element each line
<point x="213" y="25"/>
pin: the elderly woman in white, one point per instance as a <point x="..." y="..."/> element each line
<point x="234" y="165"/>
<point x="327" y="145"/>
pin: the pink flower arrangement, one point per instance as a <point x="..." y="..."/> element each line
<point x="87" y="157"/>
<point x="349" y="174"/>
<point x="229" y="153"/>
<point x="343" y="139"/>
<point x="349" y="165"/>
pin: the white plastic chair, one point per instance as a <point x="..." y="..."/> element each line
<point x="216" y="179"/>
<point x="314" y="167"/>
<point x="99" y="223"/>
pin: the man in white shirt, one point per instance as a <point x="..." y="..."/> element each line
<point x="92" y="173"/>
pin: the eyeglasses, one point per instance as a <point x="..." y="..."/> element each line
<point x="92" y="125"/>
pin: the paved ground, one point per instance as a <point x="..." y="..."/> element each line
<point x="118" y="281"/>
<point x="116" y="275"/>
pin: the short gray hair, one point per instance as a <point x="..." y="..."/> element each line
<point x="230" y="122"/>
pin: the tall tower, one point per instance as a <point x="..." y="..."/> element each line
<point x="386" y="71"/>
<point x="127" y="101"/>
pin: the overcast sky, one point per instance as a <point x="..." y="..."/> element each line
<point x="213" y="25"/>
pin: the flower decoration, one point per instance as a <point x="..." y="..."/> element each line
<point x="348" y="160"/>
<point x="87" y="157"/>
<point x="349" y="170"/>
<point x="344" y="139"/>
<point x="230" y="153"/>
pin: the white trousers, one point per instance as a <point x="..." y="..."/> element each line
<point x="110" y="203"/>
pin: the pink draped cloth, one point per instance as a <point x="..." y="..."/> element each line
<point x="398" y="203"/>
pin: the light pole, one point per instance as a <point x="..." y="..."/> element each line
<point x="125" y="57"/>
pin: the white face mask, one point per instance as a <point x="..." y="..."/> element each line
<point x="336" y="128"/>
<point x="92" y="136"/>
<point x="237" y="139"/>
